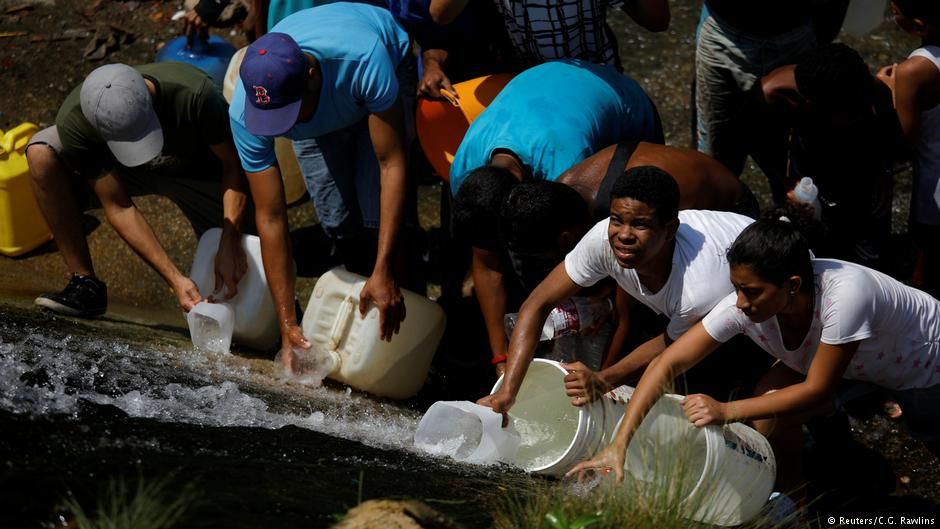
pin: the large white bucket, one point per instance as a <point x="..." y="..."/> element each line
<point x="555" y="435"/>
<point x="255" y="320"/>
<point x="395" y="369"/>
<point x="724" y="473"/>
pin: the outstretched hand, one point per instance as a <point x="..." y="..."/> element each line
<point x="230" y="266"/>
<point x="703" y="410"/>
<point x="433" y="81"/>
<point x="500" y="402"/>
<point x="610" y="459"/>
<point x="383" y="291"/>
<point x="582" y="384"/>
<point x="187" y="293"/>
<point x="293" y="339"/>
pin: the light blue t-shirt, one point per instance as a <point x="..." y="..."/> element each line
<point x="359" y="47"/>
<point x="555" y="115"/>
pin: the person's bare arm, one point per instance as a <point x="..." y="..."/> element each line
<point x="826" y="369"/>
<point x="444" y="12"/>
<point x="584" y="385"/>
<point x="267" y="190"/>
<point x="653" y="15"/>
<point x="622" y="303"/>
<point x="131" y="225"/>
<point x="230" y="262"/>
<point x="491" y="295"/>
<point x="687" y="351"/>
<point x="386" y="129"/>
<point x="556" y="288"/>
<point x="434" y="77"/>
<point x="911" y="79"/>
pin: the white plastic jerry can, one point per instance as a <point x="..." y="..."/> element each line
<point x="255" y="318"/>
<point x="395" y="369"/>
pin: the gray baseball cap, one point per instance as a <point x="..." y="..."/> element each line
<point x="116" y="102"/>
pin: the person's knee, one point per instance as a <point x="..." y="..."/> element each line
<point x="44" y="165"/>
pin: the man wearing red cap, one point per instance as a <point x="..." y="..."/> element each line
<point x="328" y="78"/>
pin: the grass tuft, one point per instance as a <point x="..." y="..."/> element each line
<point x="146" y="505"/>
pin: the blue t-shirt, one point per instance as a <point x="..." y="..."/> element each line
<point x="358" y="47"/>
<point x="555" y="115"/>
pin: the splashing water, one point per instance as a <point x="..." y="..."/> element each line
<point x="43" y="375"/>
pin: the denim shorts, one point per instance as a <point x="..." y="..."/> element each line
<point x="341" y="172"/>
<point x="728" y="63"/>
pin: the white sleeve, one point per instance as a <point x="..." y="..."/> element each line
<point x="725" y="321"/>
<point x="681" y="321"/>
<point x="586" y="264"/>
<point x="846" y="313"/>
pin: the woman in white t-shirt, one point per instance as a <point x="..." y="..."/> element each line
<point x="824" y="320"/>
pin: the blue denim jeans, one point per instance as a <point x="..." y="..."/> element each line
<point x="341" y="171"/>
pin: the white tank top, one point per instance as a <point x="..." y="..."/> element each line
<point x="925" y="201"/>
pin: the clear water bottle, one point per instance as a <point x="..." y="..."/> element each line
<point x="807" y="193"/>
<point x="569" y="318"/>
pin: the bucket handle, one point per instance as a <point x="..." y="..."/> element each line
<point x="341" y="323"/>
<point x="17" y="138"/>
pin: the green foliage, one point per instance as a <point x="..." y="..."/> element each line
<point x="148" y="505"/>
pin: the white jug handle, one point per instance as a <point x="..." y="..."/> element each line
<point x="340" y="324"/>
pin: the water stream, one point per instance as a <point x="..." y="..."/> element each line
<point x="82" y="403"/>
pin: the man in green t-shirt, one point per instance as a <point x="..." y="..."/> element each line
<point x="152" y="129"/>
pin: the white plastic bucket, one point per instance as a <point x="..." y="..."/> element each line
<point x="211" y="326"/>
<point x="466" y="432"/>
<point x="255" y="320"/>
<point x="555" y="435"/>
<point x="725" y="473"/>
<point x="395" y="369"/>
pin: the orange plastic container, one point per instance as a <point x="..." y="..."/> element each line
<point x="441" y="125"/>
<point x="22" y="226"/>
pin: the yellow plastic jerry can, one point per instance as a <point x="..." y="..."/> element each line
<point x="22" y="226"/>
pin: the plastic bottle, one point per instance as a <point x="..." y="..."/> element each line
<point x="568" y="318"/>
<point x="806" y="192"/>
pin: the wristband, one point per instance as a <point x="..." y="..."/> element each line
<point x="499" y="359"/>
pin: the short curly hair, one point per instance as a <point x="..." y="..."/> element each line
<point x="478" y="204"/>
<point x="652" y="186"/>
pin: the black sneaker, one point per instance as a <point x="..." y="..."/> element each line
<point x="84" y="296"/>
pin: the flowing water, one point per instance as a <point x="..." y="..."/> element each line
<point x="83" y="403"/>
